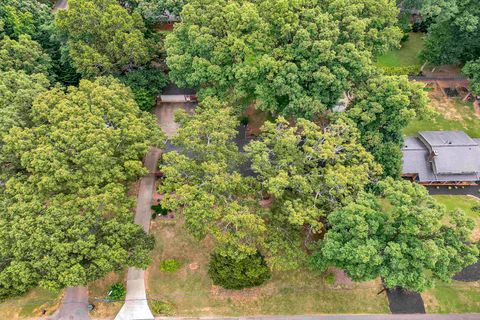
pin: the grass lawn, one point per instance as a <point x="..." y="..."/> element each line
<point x="464" y="203"/>
<point x="99" y="290"/>
<point x="30" y="305"/>
<point x="407" y="55"/>
<point x="452" y="114"/>
<point x="190" y="292"/>
<point x="456" y="297"/>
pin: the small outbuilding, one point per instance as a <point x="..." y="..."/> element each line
<point x="442" y="158"/>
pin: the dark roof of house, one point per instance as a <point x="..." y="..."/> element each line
<point x="442" y="156"/>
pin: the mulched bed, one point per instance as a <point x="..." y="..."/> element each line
<point x="469" y="274"/>
<point x="403" y="302"/>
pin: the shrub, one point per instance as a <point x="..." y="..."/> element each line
<point x="232" y="273"/>
<point x="244" y="120"/>
<point x="161" y="308"/>
<point x="158" y="209"/>
<point x="117" y="292"/>
<point x="330" y="278"/>
<point x="145" y="85"/>
<point x="170" y="265"/>
<point x="400" y="71"/>
<point x="476" y="208"/>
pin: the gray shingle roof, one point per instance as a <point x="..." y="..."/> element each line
<point x="442" y="156"/>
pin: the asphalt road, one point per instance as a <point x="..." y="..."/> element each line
<point x="74" y="305"/>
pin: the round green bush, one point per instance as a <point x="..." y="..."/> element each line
<point x="170" y="265"/>
<point x="158" y="209"/>
<point x="232" y="273"/>
<point x="117" y="292"/>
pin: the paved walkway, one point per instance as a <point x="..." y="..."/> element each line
<point x="136" y="306"/>
<point x="74" y="305"/>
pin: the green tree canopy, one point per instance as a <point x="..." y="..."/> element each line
<point x="146" y="85"/>
<point x="102" y="38"/>
<point x="383" y="106"/>
<point x="66" y="240"/>
<point x="308" y="171"/>
<point x="24" y="54"/>
<point x="201" y="178"/>
<point x="453" y="36"/>
<point x="91" y="135"/>
<point x="65" y="217"/>
<point x="159" y="10"/>
<point x="17" y="92"/>
<point x="472" y="70"/>
<point x="293" y="57"/>
<point x="405" y="237"/>
<point x="24" y="17"/>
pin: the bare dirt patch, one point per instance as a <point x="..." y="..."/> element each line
<point x="341" y="278"/>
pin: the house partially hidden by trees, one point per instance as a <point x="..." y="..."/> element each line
<point x="442" y="158"/>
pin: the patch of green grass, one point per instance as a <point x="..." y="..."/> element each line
<point x="330" y="278"/>
<point x="454" y="297"/>
<point x="407" y="55"/>
<point x="192" y="292"/>
<point x="30" y="305"/>
<point x="170" y="265"/>
<point x="161" y="308"/>
<point x="466" y="204"/>
<point x="451" y="114"/>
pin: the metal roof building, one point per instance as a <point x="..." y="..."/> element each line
<point x="442" y="158"/>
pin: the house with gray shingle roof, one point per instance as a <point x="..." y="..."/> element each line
<point x="442" y="158"/>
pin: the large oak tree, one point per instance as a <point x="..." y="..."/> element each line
<point x="293" y="57"/>
<point x="101" y="37"/>
<point x="405" y="237"/>
<point x="382" y="107"/>
<point x="65" y="217"/>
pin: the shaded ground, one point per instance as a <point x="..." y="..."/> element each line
<point x="404" y="302"/>
<point x="468" y="190"/>
<point x="172" y="89"/>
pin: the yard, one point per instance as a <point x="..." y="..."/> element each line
<point x="454" y="297"/>
<point x="98" y="290"/>
<point x="31" y="304"/>
<point x="451" y="114"/>
<point x="189" y="291"/>
<point x="406" y="56"/>
<point x="457" y="296"/>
